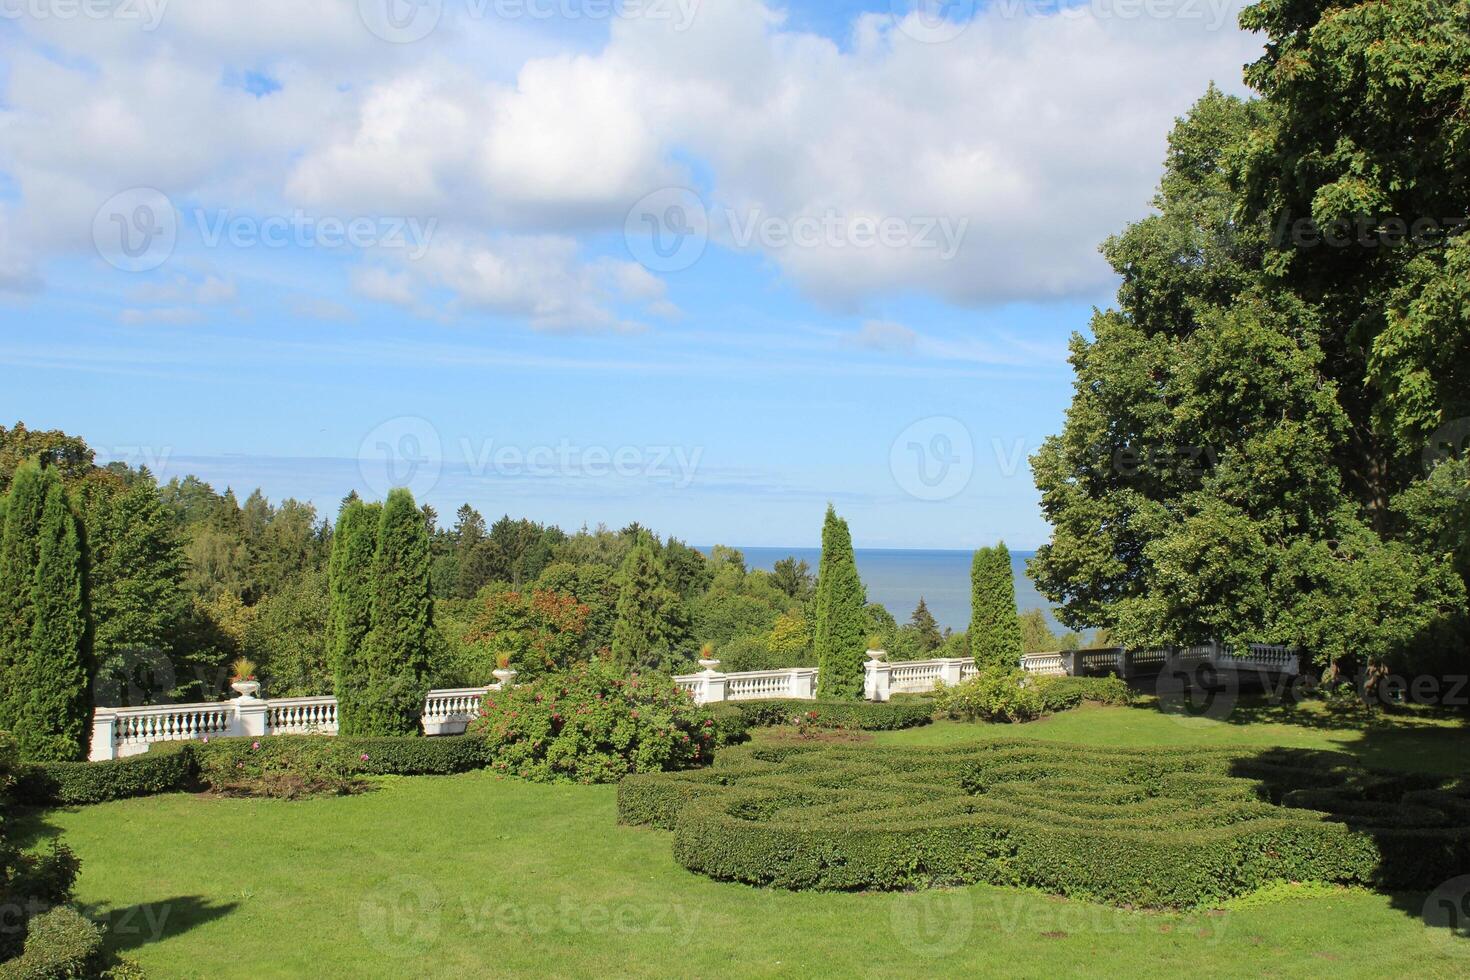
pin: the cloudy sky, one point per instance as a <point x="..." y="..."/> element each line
<point x="706" y="264"/>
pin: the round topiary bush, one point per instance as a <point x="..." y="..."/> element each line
<point x="1158" y="827"/>
<point x="594" y="724"/>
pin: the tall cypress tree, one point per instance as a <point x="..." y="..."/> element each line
<point x="19" y="551"/>
<point x="841" y="620"/>
<point x="350" y="609"/>
<point x="995" y="629"/>
<point x="55" y="696"/>
<point x="397" y="649"/>
<point x="647" y="620"/>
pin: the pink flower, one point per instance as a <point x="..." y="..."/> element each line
<point x="239" y="765"/>
<point x="205" y="740"/>
<point x="364" y="757"/>
<point x="254" y="746"/>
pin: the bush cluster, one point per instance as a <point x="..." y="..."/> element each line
<point x="1002" y="694"/>
<point x="165" y="768"/>
<point x="594" y="724"/>
<point x="1145" y="827"/>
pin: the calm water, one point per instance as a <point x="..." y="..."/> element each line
<point x="897" y="578"/>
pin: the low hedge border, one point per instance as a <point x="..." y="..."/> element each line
<point x="865" y="716"/>
<point x="61" y="944"/>
<point x="1158" y="827"/>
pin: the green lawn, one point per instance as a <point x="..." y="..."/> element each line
<point x="472" y="874"/>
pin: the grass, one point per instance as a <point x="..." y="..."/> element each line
<point x="474" y="874"/>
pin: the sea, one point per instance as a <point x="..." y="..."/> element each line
<point x="898" y="578"/>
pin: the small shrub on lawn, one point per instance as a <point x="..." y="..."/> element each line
<point x="1175" y="826"/>
<point x="594" y="724"/>
<point x="865" y="716"/>
<point x="1002" y="694"/>
<point x="304" y="765"/>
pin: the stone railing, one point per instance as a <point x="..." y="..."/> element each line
<point x="118" y="732"/>
<point x="1128" y="663"/>
<point x="710" y="686"/>
<point x="1043" y="664"/>
<point x="882" y="679"/>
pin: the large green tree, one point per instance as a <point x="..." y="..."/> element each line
<point x="20" y="542"/>
<point x="995" y="630"/>
<point x="350" y="608"/>
<point x="1245" y="446"/>
<point x="55" y="678"/>
<point x="394" y="659"/>
<point x="841" y="617"/>
<point x="650" y="620"/>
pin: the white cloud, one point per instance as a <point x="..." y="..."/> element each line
<point x="1041" y="134"/>
<point x="884" y="335"/>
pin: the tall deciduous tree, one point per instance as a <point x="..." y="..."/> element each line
<point x="995" y="632"/>
<point x="1245" y="454"/>
<point x="55" y="695"/>
<point x="841" y="619"/>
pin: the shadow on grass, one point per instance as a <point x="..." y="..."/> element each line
<point x="127" y="927"/>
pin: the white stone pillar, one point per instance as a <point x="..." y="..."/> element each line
<point x="949" y="672"/>
<point x="714" y="686"/>
<point x="104" y="731"/>
<point x="250" y="714"/>
<point x="877" y="676"/>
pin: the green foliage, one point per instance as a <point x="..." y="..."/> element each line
<point x="20" y="544"/>
<point x="650" y="619"/>
<point x="1244" y="454"/>
<point x="395" y="655"/>
<point x="1001" y="694"/>
<point x="995" y="632"/>
<point x="287" y="636"/>
<point x="29" y="883"/>
<point x="865" y="716"/>
<point x="59" y="944"/>
<point x="1151" y="827"/>
<point x="55" y="703"/>
<point x="350" y="610"/>
<point x="841" y="621"/>
<point x="539" y="630"/>
<point x="165" y="768"/>
<point x="594" y="724"/>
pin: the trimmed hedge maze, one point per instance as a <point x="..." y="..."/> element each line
<point x="1147" y="827"/>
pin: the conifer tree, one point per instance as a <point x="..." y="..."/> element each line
<point x="841" y="620"/>
<point x="647" y="623"/>
<point x="925" y="628"/>
<point x="995" y="629"/>
<point x="19" y="551"/>
<point x="54" y="695"/>
<point x="397" y="649"/>
<point x="350" y="610"/>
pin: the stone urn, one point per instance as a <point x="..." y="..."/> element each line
<point x="505" y="676"/>
<point x="877" y="655"/>
<point x="708" y="663"/>
<point x="246" y="689"/>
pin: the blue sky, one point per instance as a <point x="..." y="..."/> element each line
<point x="500" y="328"/>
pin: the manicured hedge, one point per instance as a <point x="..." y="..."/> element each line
<point x="1158" y="827"/>
<point x="166" y="767"/>
<point x="864" y="715"/>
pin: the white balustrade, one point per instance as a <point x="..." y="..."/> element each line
<point x="709" y="686"/>
<point x="449" y="712"/>
<point x="301" y="716"/>
<point x="1043" y="664"/>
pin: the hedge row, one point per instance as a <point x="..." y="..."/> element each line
<point x="233" y="762"/>
<point x="62" y="943"/>
<point x="1156" y="827"/>
<point x="863" y="715"/>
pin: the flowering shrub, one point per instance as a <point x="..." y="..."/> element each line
<point x="594" y="724"/>
<point x="1002" y="694"/>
